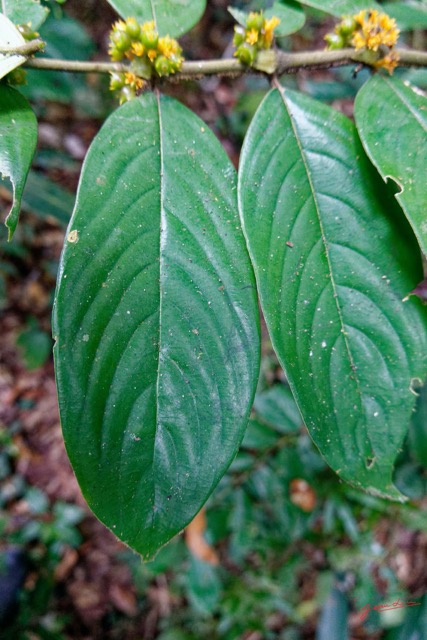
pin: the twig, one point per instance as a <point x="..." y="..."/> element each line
<point x="27" y="49"/>
<point x="285" y="63"/>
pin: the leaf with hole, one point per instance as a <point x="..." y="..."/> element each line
<point x="155" y="321"/>
<point x="18" y="125"/>
<point x="383" y="106"/>
<point x="317" y="218"/>
<point x="172" y="17"/>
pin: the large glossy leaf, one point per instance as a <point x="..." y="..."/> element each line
<point x="18" y="127"/>
<point x="333" y="258"/>
<point x="383" y="106"/>
<point x="341" y="7"/>
<point x="173" y="17"/>
<point x="9" y="37"/>
<point x="155" y="321"/>
<point x="24" y="12"/>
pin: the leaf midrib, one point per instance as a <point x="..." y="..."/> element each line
<point x="324" y="242"/>
<point x="161" y="247"/>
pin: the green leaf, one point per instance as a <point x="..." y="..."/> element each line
<point x="318" y="218"/>
<point x="277" y="407"/>
<point x="65" y="39"/>
<point x="383" y="106"/>
<point x="156" y="322"/>
<point x="203" y="586"/>
<point x="45" y="198"/>
<point x="415" y="622"/>
<point x="333" y="620"/>
<point x="36" y="345"/>
<point x="18" y="125"/>
<point x="291" y="15"/>
<point x="24" y="12"/>
<point x="9" y="37"/>
<point x="239" y="15"/>
<point x="259" y="436"/>
<point x="408" y="15"/>
<point x="341" y="7"/>
<point x="172" y="17"/>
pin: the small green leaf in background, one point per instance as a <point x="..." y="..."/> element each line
<point x="277" y="407"/>
<point x="341" y="7"/>
<point x="9" y="37"/>
<point x="46" y="198"/>
<point x="333" y="620"/>
<point x="383" y="107"/>
<point x="172" y="17"/>
<point x="317" y="216"/>
<point x="18" y="128"/>
<point x="156" y="322"/>
<point x="24" y="12"/>
<point x="36" y="346"/>
<point x="408" y="15"/>
<point x="415" y="623"/>
<point x="290" y="13"/>
<point x="203" y="585"/>
<point x="66" y="39"/>
<point x="292" y="17"/>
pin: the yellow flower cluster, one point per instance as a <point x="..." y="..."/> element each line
<point x="149" y="54"/>
<point x="257" y="34"/>
<point x="374" y="29"/>
<point x="370" y="32"/>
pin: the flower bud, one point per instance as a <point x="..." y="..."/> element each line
<point x="246" y="53"/>
<point x="162" y="66"/>
<point x="133" y="29"/>
<point x="334" y="41"/>
<point x="149" y="38"/>
<point x="26" y="32"/>
<point x="17" y="76"/>
<point x="117" y="81"/>
<point x="255" y="21"/>
<point x="120" y="40"/>
<point x="347" y="26"/>
<point x="239" y="35"/>
<point x="126" y="94"/>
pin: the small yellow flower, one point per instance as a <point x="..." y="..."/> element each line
<point x="269" y="26"/>
<point x="148" y="26"/>
<point x="359" y="17"/>
<point x="138" y="49"/>
<point x="388" y="62"/>
<point x="374" y="29"/>
<point x="133" y="81"/>
<point x="252" y="36"/>
<point x="152" y="54"/>
<point x="120" y="25"/>
<point x="169" y="47"/>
